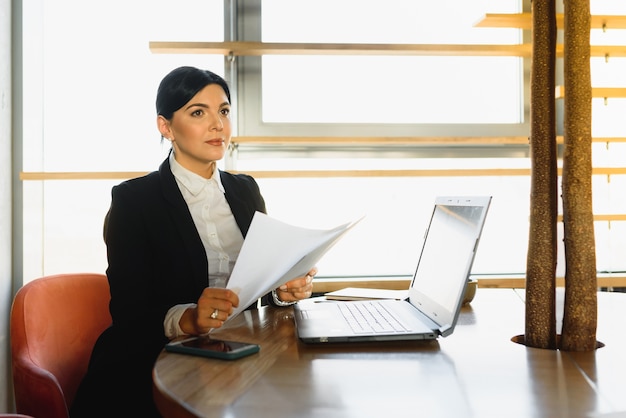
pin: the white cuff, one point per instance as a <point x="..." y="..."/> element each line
<point x="171" y="323"/>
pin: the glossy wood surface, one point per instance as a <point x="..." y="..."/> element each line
<point x="476" y="372"/>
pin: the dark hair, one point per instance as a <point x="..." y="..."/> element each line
<point x="180" y="85"/>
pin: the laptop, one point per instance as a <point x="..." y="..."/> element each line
<point x="434" y="296"/>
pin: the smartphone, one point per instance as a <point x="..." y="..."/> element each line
<point x="209" y="347"/>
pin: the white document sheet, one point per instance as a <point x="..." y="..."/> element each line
<point x="274" y="253"/>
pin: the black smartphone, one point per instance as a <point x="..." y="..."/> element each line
<point x="209" y="347"/>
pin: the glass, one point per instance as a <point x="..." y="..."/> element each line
<point x="89" y="105"/>
<point x="95" y="78"/>
<point x="89" y="90"/>
<point x="377" y="89"/>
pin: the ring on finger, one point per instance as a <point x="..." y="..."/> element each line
<point x="215" y="314"/>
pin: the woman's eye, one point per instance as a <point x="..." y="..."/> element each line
<point x="225" y="112"/>
<point x="198" y="112"/>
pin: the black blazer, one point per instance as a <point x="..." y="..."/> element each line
<point x="155" y="254"/>
<point x="156" y="260"/>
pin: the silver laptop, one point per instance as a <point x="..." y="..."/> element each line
<point x="434" y="296"/>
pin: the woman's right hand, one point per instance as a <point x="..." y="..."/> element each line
<point x="214" y="306"/>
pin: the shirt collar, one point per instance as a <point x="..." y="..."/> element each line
<point x="190" y="180"/>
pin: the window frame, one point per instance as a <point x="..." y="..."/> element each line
<point x="245" y="25"/>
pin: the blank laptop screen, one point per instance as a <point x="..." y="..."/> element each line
<point x="446" y="257"/>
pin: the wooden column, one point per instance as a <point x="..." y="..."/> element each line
<point x="580" y="310"/>
<point x="540" y="330"/>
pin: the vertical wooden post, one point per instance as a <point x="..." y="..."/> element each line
<point x="540" y="330"/>
<point x="580" y="313"/>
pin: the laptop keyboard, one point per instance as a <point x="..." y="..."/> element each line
<point x="370" y="316"/>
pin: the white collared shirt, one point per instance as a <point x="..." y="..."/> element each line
<point x="216" y="226"/>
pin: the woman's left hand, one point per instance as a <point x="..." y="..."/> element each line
<point x="298" y="288"/>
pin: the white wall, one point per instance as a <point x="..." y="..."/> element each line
<point x="6" y="295"/>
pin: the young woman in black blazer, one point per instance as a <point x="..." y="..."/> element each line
<point x="172" y="239"/>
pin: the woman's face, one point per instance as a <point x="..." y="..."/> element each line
<point x="200" y="130"/>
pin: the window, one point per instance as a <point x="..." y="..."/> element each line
<point x="410" y="96"/>
<point x="386" y="96"/>
<point x="90" y="87"/>
<point x="89" y="106"/>
<point x="414" y="90"/>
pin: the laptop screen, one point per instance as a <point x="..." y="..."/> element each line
<point x="447" y="255"/>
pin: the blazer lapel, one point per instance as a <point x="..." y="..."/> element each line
<point x="184" y="224"/>
<point x="238" y="202"/>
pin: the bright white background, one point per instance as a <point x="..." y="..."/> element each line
<point x="90" y="85"/>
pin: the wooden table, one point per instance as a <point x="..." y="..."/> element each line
<point x="476" y="372"/>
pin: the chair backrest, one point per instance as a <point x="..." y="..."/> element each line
<point x="55" y="321"/>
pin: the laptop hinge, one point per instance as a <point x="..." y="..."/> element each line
<point x="445" y="330"/>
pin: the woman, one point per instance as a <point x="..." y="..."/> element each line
<point x="172" y="238"/>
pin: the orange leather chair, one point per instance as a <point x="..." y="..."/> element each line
<point x="55" y="321"/>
